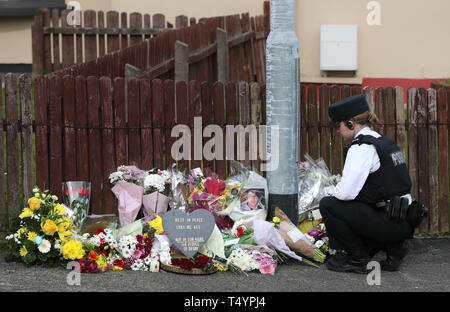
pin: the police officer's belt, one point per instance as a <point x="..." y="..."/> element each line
<point x="398" y="208"/>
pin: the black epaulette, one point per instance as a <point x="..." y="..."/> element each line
<point x="364" y="139"/>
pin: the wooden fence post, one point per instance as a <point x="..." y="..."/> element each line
<point x="3" y="221"/>
<point x="255" y="110"/>
<point x="12" y="148"/>
<point x="219" y="119"/>
<point x="412" y="140"/>
<point x="222" y="56"/>
<point x="433" y="174"/>
<point x="325" y="123"/>
<point x="422" y="158"/>
<point x="181" y="61"/>
<point x="244" y="120"/>
<point x="37" y="35"/>
<point x="443" y="127"/>
<point x="55" y="43"/>
<point x="27" y="137"/>
<point x="400" y="119"/>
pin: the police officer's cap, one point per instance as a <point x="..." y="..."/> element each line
<point x="348" y="108"/>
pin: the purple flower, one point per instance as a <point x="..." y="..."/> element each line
<point x="317" y="234"/>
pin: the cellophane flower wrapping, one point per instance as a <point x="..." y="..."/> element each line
<point x="293" y="237"/>
<point x="241" y="180"/>
<point x="179" y="190"/>
<point x="251" y="257"/>
<point x="129" y="197"/>
<point x="157" y="185"/>
<point x="314" y="183"/>
<point x="76" y="196"/>
<point x="266" y="235"/>
<point x="93" y="222"/>
<point x="206" y="192"/>
<point x="128" y="189"/>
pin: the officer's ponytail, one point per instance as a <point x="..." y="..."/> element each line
<point x="367" y="119"/>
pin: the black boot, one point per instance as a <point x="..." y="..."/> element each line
<point x="342" y="262"/>
<point x="394" y="257"/>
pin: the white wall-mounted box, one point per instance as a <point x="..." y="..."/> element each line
<point x="339" y="47"/>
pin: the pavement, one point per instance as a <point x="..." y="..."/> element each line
<point x="426" y="268"/>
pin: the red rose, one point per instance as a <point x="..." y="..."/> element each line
<point x="186" y="264"/>
<point x="83" y="192"/>
<point x="100" y="230"/>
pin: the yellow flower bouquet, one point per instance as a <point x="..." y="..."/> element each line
<point x="42" y="228"/>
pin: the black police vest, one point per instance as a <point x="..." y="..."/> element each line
<point x="392" y="178"/>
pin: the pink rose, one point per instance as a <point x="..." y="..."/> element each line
<point x="268" y="268"/>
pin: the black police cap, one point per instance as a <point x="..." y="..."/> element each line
<point x="348" y="108"/>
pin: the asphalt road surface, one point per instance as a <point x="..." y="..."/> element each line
<point x="426" y="268"/>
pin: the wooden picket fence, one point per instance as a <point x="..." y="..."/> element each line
<point x="205" y="47"/>
<point x="84" y="127"/>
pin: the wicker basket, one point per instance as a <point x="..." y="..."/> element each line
<point x="194" y="271"/>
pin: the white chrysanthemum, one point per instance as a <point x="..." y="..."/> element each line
<point x="126" y="253"/>
<point x="116" y="176"/>
<point x="148" y="260"/>
<point x="244" y="260"/>
<point x="155" y="180"/>
<point x="95" y="240"/>
<point x="45" y="246"/>
<point x="135" y="267"/>
<point x="139" y="263"/>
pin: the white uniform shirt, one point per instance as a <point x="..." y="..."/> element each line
<point x="360" y="162"/>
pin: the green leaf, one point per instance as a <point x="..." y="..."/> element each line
<point x="247" y="239"/>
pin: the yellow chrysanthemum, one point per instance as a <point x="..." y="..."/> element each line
<point x="101" y="263"/>
<point x="64" y="224"/>
<point x="49" y="227"/>
<point x="34" y="203"/>
<point x="23" y="251"/>
<point x="31" y="236"/>
<point x="26" y="213"/>
<point x="276" y="220"/>
<point x="60" y="210"/>
<point x="157" y="225"/>
<point x="73" y="250"/>
<point x="62" y="235"/>
<point x="68" y="223"/>
<point x="21" y="231"/>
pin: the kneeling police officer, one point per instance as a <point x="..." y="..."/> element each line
<point x="371" y="208"/>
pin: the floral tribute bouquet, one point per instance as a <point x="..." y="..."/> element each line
<point x="128" y="189"/>
<point x="43" y="227"/>
<point x="249" y="258"/>
<point x="102" y="252"/>
<point x="157" y="185"/>
<point x="210" y="193"/>
<point x="76" y="196"/>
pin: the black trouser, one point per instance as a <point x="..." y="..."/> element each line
<point x="359" y="228"/>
